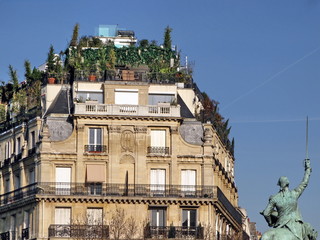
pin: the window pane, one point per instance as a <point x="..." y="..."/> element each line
<point x="158" y="217"/>
<point x="158" y="138"/>
<point x="91" y="136"/>
<point x="94" y="216"/>
<point x="62" y="215"/>
<point x="184" y="218"/>
<point x="99" y="136"/>
<point x="192" y="218"/>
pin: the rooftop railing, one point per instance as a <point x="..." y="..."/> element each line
<point x="131" y="75"/>
<point x="127" y="110"/>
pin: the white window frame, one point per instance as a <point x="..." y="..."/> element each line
<point x="158" y="181"/>
<point x="188" y="181"/>
<point x="94" y="216"/>
<point x="63" y="180"/>
<point x="95" y="136"/>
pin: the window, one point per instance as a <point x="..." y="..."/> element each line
<point x="95" y="140"/>
<point x="13" y="226"/>
<point x="158" y="142"/>
<point x="33" y="140"/>
<point x="17" y="181"/>
<point x="26" y="219"/>
<point x="18" y="145"/>
<point x="158" y="217"/>
<point x="158" y="181"/>
<point x="95" y="188"/>
<point x="126" y="96"/>
<point x="95" y="176"/>
<point x="8" y="150"/>
<point x="7" y="185"/>
<point x="189" y="218"/>
<point x="31" y="176"/>
<point x="188" y="182"/>
<point x="92" y="96"/>
<point x="155" y="98"/>
<point x="94" y="216"/>
<point x="63" y="179"/>
<point x="26" y="225"/>
<point x="62" y="217"/>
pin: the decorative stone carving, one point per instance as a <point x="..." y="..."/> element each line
<point x="207" y="136"/>
<point x="114" y="129"/>
<point x="174" y="130"/>
<point x="80" y="128"/>
<point x="127" y="159"/>
<point x="140" y="129"/>
<point x="127" y="141"/>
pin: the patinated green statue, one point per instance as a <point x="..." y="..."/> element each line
<point x="282" y="213"/>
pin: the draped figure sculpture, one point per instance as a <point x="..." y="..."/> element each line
<point x="283" y="215"/>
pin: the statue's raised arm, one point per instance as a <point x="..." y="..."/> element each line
<point x="307" y="172"/>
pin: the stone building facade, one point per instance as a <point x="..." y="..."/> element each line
<point x="99" y="149"/>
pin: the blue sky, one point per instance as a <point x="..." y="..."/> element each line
<point x="259" y="59"/>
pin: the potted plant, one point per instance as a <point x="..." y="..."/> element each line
<point x="51" y="66"/>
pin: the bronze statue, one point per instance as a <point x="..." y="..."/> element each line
<point x="283" y="215"/>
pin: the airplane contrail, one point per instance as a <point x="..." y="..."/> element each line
<point x="276" y="120"/>
<point x="271" y="78"/>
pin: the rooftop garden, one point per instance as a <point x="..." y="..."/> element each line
<point x="87" y="58"/>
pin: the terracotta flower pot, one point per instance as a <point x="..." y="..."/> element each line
<point x="51" y="80"/>
<point x="92" y="78"/>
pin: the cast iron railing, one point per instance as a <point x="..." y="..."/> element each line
<point x="140" y="190"/>
<point x="17" y="194"/>
<point x="158" y="150"/>
<point x="5" y="236"/>
<point x="95" y="148"/>
<point x="122" y="190"/>
<point x="174" y="232"/>
<point x="78" y="231"/>
<point x="25" y="233"/>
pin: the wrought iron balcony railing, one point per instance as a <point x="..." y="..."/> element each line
<point x="32" y="151"/>
<point x="176" y="232"/>
<point x="127" y="110"/>
<point x="78" y="231"/>
<point x="159" y="150"/>
<point x="5" y="236"/>
<point x="122" y="190"/>
<point x="131" y="190"/>
<point x="25" y="233"/>
<point x="17" y="157"/>
<point x="17" y="194"/>
<point x="95" y="148"/>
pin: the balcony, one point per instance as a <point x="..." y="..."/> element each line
<point x="18" y="157"/>
<point x="7" y="162"/>
<point x="158" y="150"/>
<point x="5" y="236"/>
<point x="176" y="232"/>
<point x="25" y="233"/>
<point x="127" y="110"/>
<point x="95" y="148"/>
<point x="77" y="231"/>
<point x="18" y="194"/>
<point x="123" y="190"/>
<point x="32" y="151"/>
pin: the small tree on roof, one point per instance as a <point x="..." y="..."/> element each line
<point x="167" y="38"/>
<point x="74" y="40"/>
